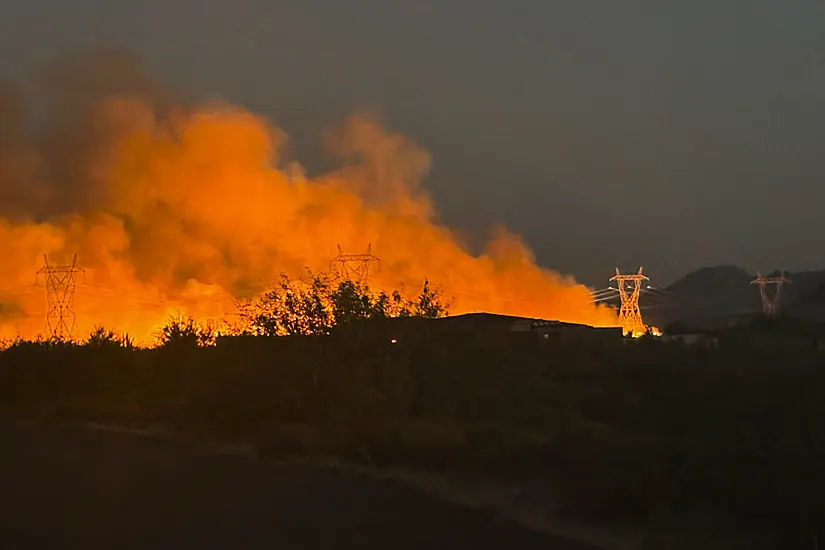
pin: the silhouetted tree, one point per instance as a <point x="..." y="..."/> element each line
<point x="295" y="307"/>
<point x="430" y="304"/>
<point x="351" y="301"/>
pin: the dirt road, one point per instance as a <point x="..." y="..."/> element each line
<point x="89" y="489"/>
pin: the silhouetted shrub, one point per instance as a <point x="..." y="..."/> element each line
<point x="187" y="332"/>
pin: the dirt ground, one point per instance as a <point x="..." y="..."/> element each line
<point x="74" y="488"/>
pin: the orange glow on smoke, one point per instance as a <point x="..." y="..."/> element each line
<point x="184" y="210"/>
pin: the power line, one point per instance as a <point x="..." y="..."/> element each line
<point x="770" y="304"/>
<point x="630" y="316"/>
<point x="354" y="267"/>
<point x="61" y="283"/>
<point x="126" y="301"/>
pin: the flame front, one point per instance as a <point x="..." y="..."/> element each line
<point x="186" y="209"/>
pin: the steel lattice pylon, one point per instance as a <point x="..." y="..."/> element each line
<point x="354" y="267"/>
<point x="630" y="287"/>
<point x="61" y="282"/>
<point x="770" y="304"/>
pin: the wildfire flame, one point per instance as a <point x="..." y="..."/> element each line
<point x="172" y="208"/>
<point x="649" y="330"/>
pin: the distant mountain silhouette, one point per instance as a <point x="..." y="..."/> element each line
<point x="809" y="304"/>
<point x="716" y="295"/>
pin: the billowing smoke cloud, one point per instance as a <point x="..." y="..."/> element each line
<point x="178" y="208"/>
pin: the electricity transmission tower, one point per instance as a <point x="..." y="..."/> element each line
<point x="354" y="267"/>
<point x="61" y="282"/>
<point x="770" y="304"/>
<point x="630" y="287"/>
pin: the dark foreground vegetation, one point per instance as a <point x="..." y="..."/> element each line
<point x="632" y="433"/>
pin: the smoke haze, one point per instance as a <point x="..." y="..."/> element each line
<point x="179" y="208"/>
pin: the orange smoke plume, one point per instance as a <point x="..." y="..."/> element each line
<point x="175" y="209"/>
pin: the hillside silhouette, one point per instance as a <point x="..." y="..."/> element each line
<point x="719" y="295"/>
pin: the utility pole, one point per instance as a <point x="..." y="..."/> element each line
<point x="770" y="304"/>
<point x="354" y="267"/>
<point x="61" y="282"/>
<point x="630" y="287"/>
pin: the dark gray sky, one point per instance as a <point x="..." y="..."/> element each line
<point x="669" y="134"/>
